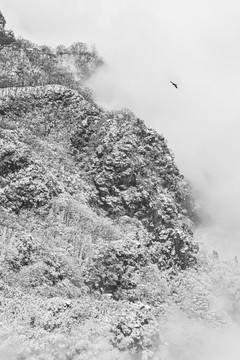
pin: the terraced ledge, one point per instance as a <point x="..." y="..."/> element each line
<point x="33" y="90"/>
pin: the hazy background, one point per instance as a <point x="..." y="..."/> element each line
<point x="145" y="44"/>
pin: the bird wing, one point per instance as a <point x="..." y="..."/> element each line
<point x="174" y="84"/>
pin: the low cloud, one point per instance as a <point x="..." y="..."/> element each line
<point x="188" y="339"/>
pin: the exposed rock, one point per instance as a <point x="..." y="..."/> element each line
<point x="128" y="165"/>
<point x="135" y="175"/>
<point x="25" y="183"/>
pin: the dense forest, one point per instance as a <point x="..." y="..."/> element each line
<point x="98" y="258"/>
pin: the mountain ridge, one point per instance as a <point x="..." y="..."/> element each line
<point x="96" y="223"/>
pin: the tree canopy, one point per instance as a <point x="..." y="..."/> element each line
<point x="6" y="36"/>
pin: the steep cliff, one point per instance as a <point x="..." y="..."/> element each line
<point x="129" y="167"/>
<point x="92" y="206"/>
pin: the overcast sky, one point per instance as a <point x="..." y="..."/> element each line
<point x="145" y="44"/>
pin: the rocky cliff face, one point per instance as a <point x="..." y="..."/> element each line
<point x="128" y="166"/>
<point x="135" y="175"/>
<point x="132" y="169"/>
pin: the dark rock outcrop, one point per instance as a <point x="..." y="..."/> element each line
<point x="135" y="175"/>
<point x="128" y="165"/>
<point x="25" y="182"/>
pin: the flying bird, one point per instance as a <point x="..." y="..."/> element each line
<point x="174" y="84"/>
